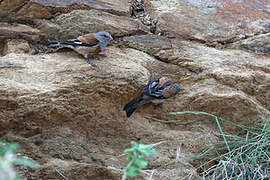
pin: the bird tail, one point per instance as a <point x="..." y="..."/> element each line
<point x="135" y="103"/>
<point x="55" y="45"/>
<point x="132" y="106"/>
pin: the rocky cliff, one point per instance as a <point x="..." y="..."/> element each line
<point x="68" y="115"/>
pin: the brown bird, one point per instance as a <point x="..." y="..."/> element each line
<point x="88" y="44"/>
<point x="155" y="89"/>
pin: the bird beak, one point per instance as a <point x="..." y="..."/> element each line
<point x="111" y="38"/>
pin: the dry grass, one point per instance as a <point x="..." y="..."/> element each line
<point x="236" y="157"/>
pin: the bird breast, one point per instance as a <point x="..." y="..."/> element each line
<point x="88" y="50"/>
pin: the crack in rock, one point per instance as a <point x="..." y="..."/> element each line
<point x="138" y="11"/>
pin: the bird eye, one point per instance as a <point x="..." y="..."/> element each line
<point x="105" y="35"/>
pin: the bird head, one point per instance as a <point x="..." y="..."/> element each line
<point x="104" y="37"/>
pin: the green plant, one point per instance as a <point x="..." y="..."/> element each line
<point x="237" y="156"/>
<point x="208" y="114"/>
<point x="249" y="157"/>
<point x="8" y="159"/>
<point x="136" y="158"/>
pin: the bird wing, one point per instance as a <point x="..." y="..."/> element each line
<point x="153" y="89"/>
<point x="88" y="39"/>
<point x="171" y="90"/>
<point x="156" y="86"/>
<point x="85" y="40"/>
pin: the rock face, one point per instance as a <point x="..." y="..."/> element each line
<point x="92" y="21"/>
<point x="257" y="44"/>
<point x="78" y="22"/>
<point x="218" y="74"/>
<point x="23" y="10"/>
<point x="119" y="7"/>
<point x="69" y="116"/>
<point x="18" y="31"/>
<point x="17" y="37"/>
<point x="17" y="46"/>
<point x="27" y="10"/>
<point x="211" y="21"/>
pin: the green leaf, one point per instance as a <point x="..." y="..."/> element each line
<point x="130" y="150"/>
<point x="26" y="162"/>
<point x="153" y="152"/>
<point x="9" y="147"/>
<point x="136" y="155"/>
<point x="129" y="158"/>
<point x="134" y="144"/>
<point x="140" y="163"/>
<point x="148" y="152"/>
<point x="132" y="171"/>
<point x="143" y="146"/>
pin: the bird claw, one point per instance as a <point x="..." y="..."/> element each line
<point x="89" y="61"/>
<point x="103" y="54"/>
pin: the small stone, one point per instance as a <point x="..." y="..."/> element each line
<point x="18" y="31"/>
<point x="18" y="46"/>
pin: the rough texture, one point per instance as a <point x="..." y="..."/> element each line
<point x="69" y="116"/>
<point x="17" y="46"/>
<point x="18" y="31"/>
<point x="233" y="74"/>
<point x="53" y="74"/>
<point x="211" y="21"/>
<point x="80" y="22"/>
<point x="120" y="7"/>
<point x="258" y="44"/>
<point x="87" y="104"/>
<point x="152" y="44"/>
<point x="62" y="90"/>
<point x="92" y="21"/>
<point x="23" y="10"/>
<point x="28" y="10"/>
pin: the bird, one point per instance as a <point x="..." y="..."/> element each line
<point x="161" y="88"/>
<point x="88" y="44"/>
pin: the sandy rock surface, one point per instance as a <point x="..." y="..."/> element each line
<point x="69" y="116"/>
<point x="28" y="10"/>
<point x="211" y="20"/>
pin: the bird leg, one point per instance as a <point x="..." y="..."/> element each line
<point x="89" y="61"/>
<point x="102" y="53"/>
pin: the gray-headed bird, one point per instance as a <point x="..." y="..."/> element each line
<point x="88" y="44"/>
<point x="156" y="89"/>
